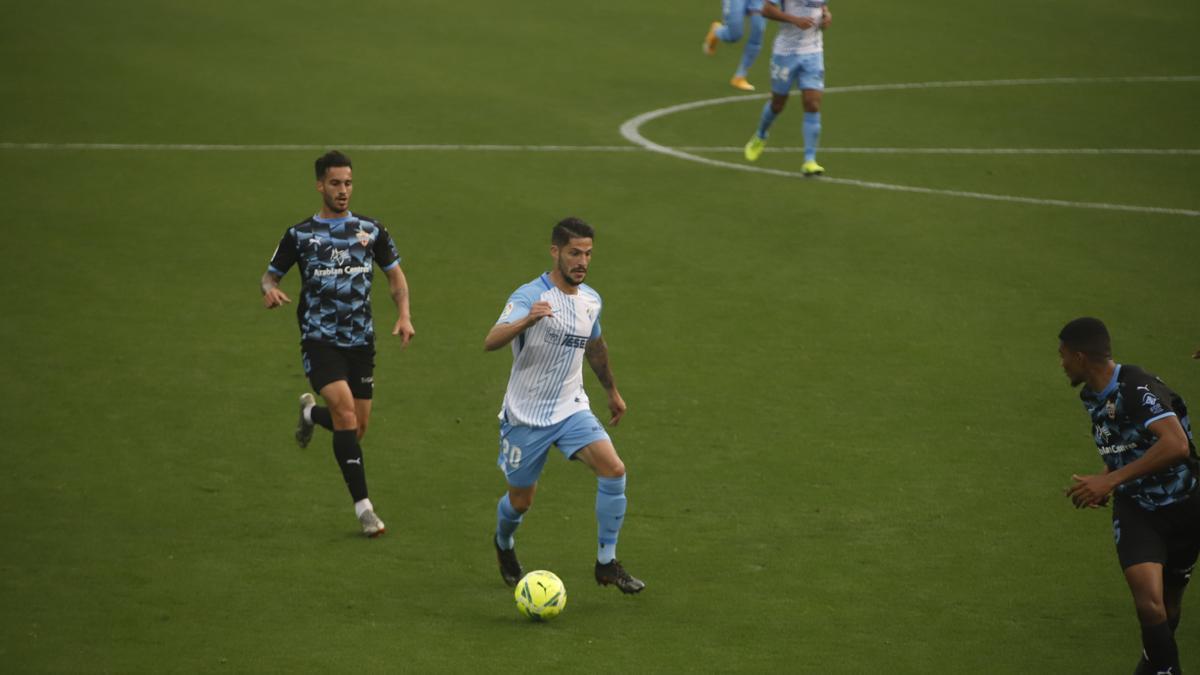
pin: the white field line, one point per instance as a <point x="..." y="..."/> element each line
<point x="496" y="147"/>
<point x="631" y="131"/>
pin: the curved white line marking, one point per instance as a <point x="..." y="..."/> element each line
<point x="631" y="131"/>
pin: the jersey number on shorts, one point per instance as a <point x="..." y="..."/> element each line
<point x="512" y="454"/>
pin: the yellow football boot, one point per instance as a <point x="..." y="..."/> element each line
<point x="811" y="168"/>
<point x="754" y="147"/>
<point x="711" y="40"/>
<point x="740" y="82"/>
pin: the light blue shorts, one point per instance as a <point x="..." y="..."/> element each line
<point x="802" y="71"/>
<point x="523" y="450"/>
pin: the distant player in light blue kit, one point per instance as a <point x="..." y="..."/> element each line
<point x="729" y="29"/>
<point x="553" y="322"/>
<point x="797" y="60"/>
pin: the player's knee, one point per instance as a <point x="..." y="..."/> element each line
<point x="362" y="429"/>
<point x="613" y="469"/>
<point x="1151" y="611"/>
<point x="812" y="105"/>
<point x="344" y="418"/>
<point x="520" y="502"/>
<point x="778" y="104"/>
<point x="733" y="31"/>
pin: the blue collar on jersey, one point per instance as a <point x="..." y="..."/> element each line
<point x="1112" y="385"/>
<point x="334" y="221"/>
<point x="545" y="278"/>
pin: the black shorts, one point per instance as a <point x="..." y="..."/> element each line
<point x="1169" y="535"/>
<point x="325" y="363"/>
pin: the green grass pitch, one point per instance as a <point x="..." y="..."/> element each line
<point x="848" y="432"/>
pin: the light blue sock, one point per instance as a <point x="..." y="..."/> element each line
<point x="610" y="513"/>
<point x="507" y="520"/>
<point x="768" y="117"/>
<point x="754" y="41"/>
<point x="812" y="133"/>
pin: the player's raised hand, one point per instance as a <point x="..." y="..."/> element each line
<point x="404" y="329"/>
<point x="616" y="406"/>
<point x="274" y="297"/>
<point x="539" y="310"/>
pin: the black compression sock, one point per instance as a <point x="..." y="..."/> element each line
<point x="321" y="416"/>
<point x="350" y="461"/>
<point x="1159" y="643"/>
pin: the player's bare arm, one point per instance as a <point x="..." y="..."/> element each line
<point x="597" y="357"/>
<point x="1170" y="449"/>
<point x="272" y="295"/>
<point x="826" y="17"/>
<point x="775" y="14"/>
<point x="503" y="333"/>
<point x="398" y="287"/>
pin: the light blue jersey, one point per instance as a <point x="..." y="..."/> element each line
<point x="792" y="39"/>
<point x="546" y="383"/>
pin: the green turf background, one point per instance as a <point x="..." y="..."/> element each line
<point x="848" y="431"/>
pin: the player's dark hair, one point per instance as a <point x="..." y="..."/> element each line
<point x="570" y="228"/>
<point x="1087" y="335"/>
<point x="331" y="159"/>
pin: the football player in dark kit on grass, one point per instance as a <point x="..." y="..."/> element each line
<point x="1144" y="437"/>
<point x="336" y="251"/>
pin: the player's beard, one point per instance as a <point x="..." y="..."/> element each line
<point x="565" y="271"/>
<point x="332" y="204"/>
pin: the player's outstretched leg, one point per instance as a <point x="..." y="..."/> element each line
<point x="756" y="144"/>
<point x="758" y="26"/>
<point x="507" y="521"/>
<point x="610" y="514"/>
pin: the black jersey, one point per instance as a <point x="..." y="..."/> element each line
<point x="1121" y="416"/>
<point x="336" y="259"/>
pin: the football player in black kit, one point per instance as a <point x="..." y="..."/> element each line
<point x="1142" y="432"/>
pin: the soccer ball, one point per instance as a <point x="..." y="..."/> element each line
<point x="540" y="595"/>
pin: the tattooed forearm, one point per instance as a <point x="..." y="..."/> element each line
<point x="597" y="356"/>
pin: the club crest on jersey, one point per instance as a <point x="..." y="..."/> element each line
<point x="1150" y="401"/>
<point x="339" y="256"/>
<point x="363" y="236"/>
<point x="1111" y="409"/>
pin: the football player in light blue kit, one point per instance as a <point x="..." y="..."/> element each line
<point x="729" y="29"/>
<point x="553" y="323"/>
<point x="797" y="60"/>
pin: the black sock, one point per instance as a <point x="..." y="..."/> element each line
<point x="1160" y="646"/>
<point x="321" y="417"/>
<point x="350" y="461"/>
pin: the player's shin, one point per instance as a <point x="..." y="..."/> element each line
<point x="754" y="42"/>
<point x="1161" y="650"/>
<point x="610" y="514"/>
<point x="350" y="461"/>
<point x="812" y="135"/>
<point x="320" y="416"/>
<point x="507" y="521"/>
<point x="767" y="119"/>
